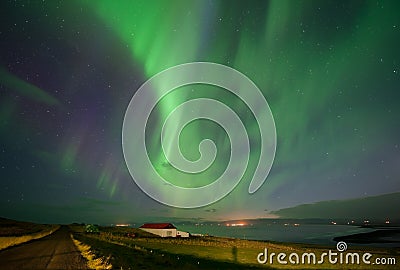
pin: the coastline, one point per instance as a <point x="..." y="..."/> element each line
<point x="381" y="236"/>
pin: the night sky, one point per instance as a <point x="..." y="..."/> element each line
<point x="330" y="71"/>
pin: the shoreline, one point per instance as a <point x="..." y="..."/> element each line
<point x="380" y="236"/>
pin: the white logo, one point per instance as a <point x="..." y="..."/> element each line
<point x="157" y="87"/>
<point x="341" y="246"/>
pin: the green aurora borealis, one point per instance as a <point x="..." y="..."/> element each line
<point x="330" y="71"/>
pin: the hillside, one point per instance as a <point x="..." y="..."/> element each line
<point x="373" y="208"/>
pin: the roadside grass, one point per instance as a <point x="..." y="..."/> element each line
<point x="10" y="227"/>
<point x="241" y="253"/>
<point x="135" y="257"/>
<point x="93" y="262"/>
<point x="8" y="241"/>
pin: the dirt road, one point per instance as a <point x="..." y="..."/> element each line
<point x="56" y="251"/>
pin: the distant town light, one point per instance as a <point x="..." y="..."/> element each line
<point x="235" y="224"/>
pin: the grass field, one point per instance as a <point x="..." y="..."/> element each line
<point x="148" y="252"/>
<point x="15" y="232"/>
<point x="93" y="261"/>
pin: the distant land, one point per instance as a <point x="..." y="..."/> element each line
<point x="376" y="208"/>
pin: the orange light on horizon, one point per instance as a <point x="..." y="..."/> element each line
<point x="236" y="224"/>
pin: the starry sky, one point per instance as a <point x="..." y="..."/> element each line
<point x="330" y="71"/>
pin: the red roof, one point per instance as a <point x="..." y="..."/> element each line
<point x="158" y="226"/>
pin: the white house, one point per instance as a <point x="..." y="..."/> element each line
<point x="161" y="229"/>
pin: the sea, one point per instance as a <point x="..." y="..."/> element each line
<point x="298" y="233"/>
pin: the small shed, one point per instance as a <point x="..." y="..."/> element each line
<point x="161" y="229"/>
<point x="182" y="234"/>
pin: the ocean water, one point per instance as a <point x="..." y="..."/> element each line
<point x="307" y="233"/>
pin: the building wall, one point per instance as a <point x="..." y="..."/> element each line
<point x="161" y="232"/>
<point x="182" y="234"/>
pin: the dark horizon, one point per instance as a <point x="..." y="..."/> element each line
<point x="372" y="209"/>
